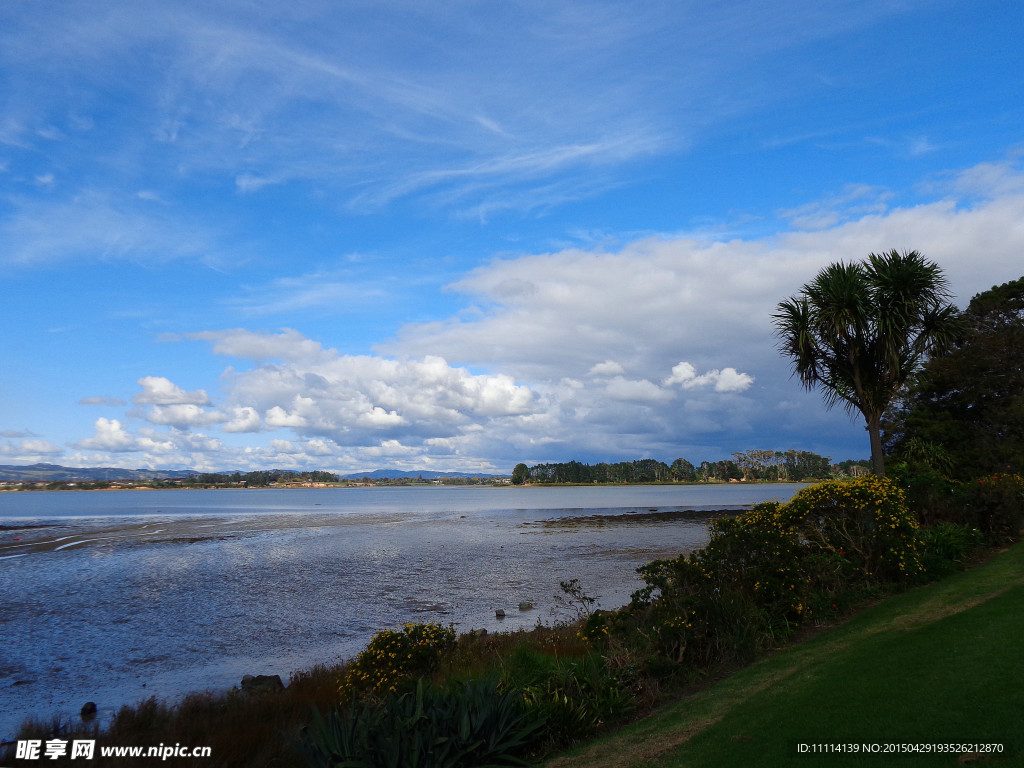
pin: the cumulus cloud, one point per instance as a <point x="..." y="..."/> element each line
<point x="243" y="419"/>
<point x="157" y="390"/>
<point x="289" y="344"/>
<point x="662" y="347"/>
<point x="184" y="416"/>
<point x="279" y="417"/>
<point x="726" y="380"/>
<point x="109" y="435"/>
<point x="353" y="399"/>
<point x="670" y="317"/>
<point x="607" y="368"/>
<point x="154" y="448"/>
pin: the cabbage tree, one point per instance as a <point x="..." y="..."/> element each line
<point x="858" y="332"/>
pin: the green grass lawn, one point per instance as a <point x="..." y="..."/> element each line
<point x="939" y="664"/>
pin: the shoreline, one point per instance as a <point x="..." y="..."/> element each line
<point x="115" y="593"/>
<point x="399" y="483"/>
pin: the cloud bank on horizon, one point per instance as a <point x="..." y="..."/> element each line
<point x="376" y="235"/>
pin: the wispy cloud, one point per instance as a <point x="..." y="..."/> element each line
<point x="112" y="402"/>
<point x="378" y="104"/>
<point x="853" y="201"/>
<point x="97" y="226"/>
<point x="340" y="291"/>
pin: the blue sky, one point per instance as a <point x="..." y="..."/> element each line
<point x="460" y="235"/>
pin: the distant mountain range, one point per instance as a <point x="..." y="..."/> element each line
<point x="50" y="473"/>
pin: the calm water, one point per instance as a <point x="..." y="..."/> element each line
<point x="116" y="596"/>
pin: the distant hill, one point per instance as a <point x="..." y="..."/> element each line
<point x="49" y="473"/>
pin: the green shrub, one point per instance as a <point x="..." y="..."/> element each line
<point x="574" y="696"/>
<point x="759" y="553"/>
<point x="740" y="594"/>
<point x="457" y="726"/>
<point x="393" y="656"/>
<point x="995" y="506"/>
<point x="930" y="494"/>
<point x="834" y="585"/>
<point x="946" y="546"/>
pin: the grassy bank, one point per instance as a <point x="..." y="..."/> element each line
<point x="940" y="663"/>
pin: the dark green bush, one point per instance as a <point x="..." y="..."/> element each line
<point x="930" y="494"/>
<point x="946" y="546"/>
<point x="456" y="726"/>
<point x="574" y="696"/>
<point x="739" y="595"/>
<point x="995" y="506"/>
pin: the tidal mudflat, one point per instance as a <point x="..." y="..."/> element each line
<point x="113" y="597"/>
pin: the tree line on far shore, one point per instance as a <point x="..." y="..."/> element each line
<point x="753" y="465"/>
<point x="260" y="478"/>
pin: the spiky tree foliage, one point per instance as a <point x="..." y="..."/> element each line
<point x="858" y="332"/>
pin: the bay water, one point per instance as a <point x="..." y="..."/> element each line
<point x="116" y="596"/>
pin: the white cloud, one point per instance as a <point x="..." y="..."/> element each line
<point x="378" y="417"/>
<point x="681" y="326"/>
<point x="30" y="449"/>
<point x="684" y="374"/>
<point x="318" y="448"/>
<point x="642" y="390"/>
<point x="730" y="380"/>
<point x="389" y="449"/>
<point x="243" y="419"/>
<point x="726" y="380"/>
<point x="658" y="301"/>
<point x="109" y="435"/>
<point x="289" y="344"/>
<point x="184" y="416"/>
<point x="607" y="368"/>
<point x="279" y="417"/>
<point x="158" y="390"/>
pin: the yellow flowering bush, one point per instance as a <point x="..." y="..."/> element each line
<point x="396" y="655"/>
<point x="764" y="572"/>
<point x="867" y="521"/>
